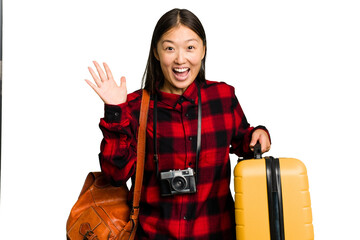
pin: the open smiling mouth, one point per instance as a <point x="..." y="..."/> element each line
<point x="181" y="73"/>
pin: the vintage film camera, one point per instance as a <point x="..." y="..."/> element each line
<point x="177" y="182"/>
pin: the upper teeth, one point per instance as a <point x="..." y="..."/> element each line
<point x="180" y="69"/>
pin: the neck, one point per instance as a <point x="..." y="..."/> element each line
<point x="178" y="91"/>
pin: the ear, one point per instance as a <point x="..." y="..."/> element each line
<point x="203" y="55"/>
<point x="156" y="54"/>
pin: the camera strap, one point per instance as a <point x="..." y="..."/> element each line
<point x="198" y="147"/>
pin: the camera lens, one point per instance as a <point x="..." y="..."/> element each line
<point x="178" y="183"/>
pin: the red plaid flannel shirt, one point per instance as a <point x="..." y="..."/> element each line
<point x="207" y="214"/>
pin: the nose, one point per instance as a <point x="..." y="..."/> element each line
<point x="180" y="57"/>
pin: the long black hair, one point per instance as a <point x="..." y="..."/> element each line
<point x="153" y="77"/>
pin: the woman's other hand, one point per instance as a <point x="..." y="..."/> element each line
<point x="261" y="136"/>
<point x="106" y="87"/>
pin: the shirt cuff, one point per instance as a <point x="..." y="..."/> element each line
<point x="113" y="113"/>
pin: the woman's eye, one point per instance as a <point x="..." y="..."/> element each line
<point x="191" y="47"/>
<point x="169" y="48"/>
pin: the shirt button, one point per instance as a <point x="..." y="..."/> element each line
<point x="190" y="164"/>
<point x="190" y="138"/>
<point x="117" y="114"/>
<point x="184" y="217"/>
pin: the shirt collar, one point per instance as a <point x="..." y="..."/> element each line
<point x="172" y="100"/>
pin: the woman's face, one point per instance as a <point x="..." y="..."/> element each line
<point x="180" y="51"/>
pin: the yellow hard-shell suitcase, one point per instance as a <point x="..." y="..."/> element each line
<point x="272" y="199"/>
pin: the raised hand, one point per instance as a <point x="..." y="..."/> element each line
<point x="106" y="87"/>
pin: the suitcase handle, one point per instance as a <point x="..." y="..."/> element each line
<point x="257" y="151"/>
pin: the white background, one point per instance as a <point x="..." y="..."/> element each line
<point x="294" y="65"/>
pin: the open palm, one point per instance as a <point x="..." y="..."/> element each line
<point x="106" y="87"/>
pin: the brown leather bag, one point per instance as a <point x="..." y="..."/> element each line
<point x="102" y="212"/>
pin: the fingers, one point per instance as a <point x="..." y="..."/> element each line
<point x="95" y="77"/>
<point x="265" y="144"/>
<point x="91" y="84"/>
<point x="261" y="136"/>
<point x="254" y="140"/>
<point x="108" y="72"/>
<point x="123" y="82"/>
<point x="100" y="71"/>
<point x="105" y="86"/>
<point x="264" y="141"/>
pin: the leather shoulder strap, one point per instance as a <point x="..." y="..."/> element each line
<point x="140" y="152"/>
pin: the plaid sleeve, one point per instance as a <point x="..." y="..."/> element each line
<point x="242" y="130"/>
<point x="118" y="147"/>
